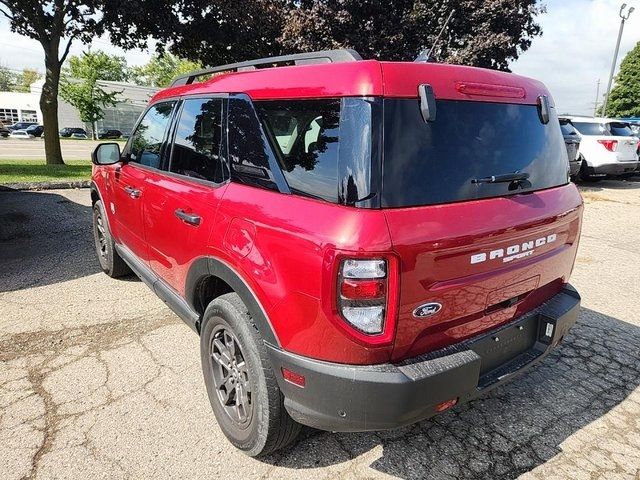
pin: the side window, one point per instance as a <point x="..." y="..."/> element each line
<point x="196" y="148"/>
<point x="307" y="133"/>
<point x="146" y="142"/>
<point x="250" y="155"/>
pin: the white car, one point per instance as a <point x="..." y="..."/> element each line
<point x="607" y="147"/>
<point x="20" y="134"/>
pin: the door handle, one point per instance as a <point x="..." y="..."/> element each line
<point x="190" y="218"/>
<point x="133" y="192"/>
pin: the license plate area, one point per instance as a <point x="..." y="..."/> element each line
<point x="507" y="343"/>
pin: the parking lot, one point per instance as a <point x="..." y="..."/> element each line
<point x="98" y="379"/>
<point x="33" y="148"/>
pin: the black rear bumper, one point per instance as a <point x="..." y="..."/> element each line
<point x="346" y="398"/>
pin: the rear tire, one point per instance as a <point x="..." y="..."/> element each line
<point x="584" y="174"/>
<point x="110" y="262"/>
<point x="241" y="384"/>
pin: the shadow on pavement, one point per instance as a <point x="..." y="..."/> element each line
<point x="610" y="184"/>
<point x="511" y="430"/>
<point x="45" y="238"/>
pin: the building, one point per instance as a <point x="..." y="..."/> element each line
<point x="19" y="107"/>
<point x="25" y="107"/>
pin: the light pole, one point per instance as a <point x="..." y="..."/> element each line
<point x="624" y="17"/>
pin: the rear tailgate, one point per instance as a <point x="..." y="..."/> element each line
<point x="477" y="248"/>
<point x="627" y="150"/>
<point x="484" y="261"/>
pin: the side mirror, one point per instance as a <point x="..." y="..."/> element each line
<point x="106" y="154"/>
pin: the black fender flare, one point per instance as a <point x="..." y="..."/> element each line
<point x="204" y="267"/>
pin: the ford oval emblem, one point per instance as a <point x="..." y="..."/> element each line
<point x="427" y="310"/>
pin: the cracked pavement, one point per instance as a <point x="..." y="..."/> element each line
<point x="98" y="379"/>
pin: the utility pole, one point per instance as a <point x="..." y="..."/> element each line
<point x="624" y="17"/>
<point x="595" y="107"/>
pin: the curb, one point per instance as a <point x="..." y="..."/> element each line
<point x="45" y="185"/>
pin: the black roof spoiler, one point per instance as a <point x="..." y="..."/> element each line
<point x="324" y="56"/>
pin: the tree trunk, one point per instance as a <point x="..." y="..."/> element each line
<point x="49" y="108"/>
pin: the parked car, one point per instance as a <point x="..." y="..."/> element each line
<point x="21" y="125"/>
<point x="572" y="143"/>
<point x="35" y="130"/>
<point x="607" y="147"/>
<point x="69" y="131"/>
<point x="82" y="136"/>
<point x="359" y="244"/>
<point x="110" y="133"/>
<point x="20" y="134"/>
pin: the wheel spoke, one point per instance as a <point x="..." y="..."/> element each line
<point x="231" y="376"/>
<point x="222" y="356"/>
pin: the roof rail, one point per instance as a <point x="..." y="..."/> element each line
<point x="324" y="56"/>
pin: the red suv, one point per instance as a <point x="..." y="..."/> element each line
<point x="359" y="244"/>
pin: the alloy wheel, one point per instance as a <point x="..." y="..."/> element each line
<point x="231" y="376"/>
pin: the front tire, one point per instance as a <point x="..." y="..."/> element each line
<point x="241" y="384"/>
<point x="110" y="262"/>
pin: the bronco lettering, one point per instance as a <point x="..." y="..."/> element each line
<point x="514" y="252"/>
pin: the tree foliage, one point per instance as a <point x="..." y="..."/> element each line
<point x="100" y="65"/>
<point x="624" y="100"/>
<point x="220" y="31"/>
<point x="10" y="81"/>
<point x="7" y="79"/>
<point x="485" y="33"/>
<point x="161" y="69"/>
<point x="56" y="24"/>
<point x="79" y="85"/>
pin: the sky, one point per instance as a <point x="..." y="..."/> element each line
<point x="574" y="51"/>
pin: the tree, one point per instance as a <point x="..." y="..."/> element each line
<point x="79" y="84"/>
<point x="26" y="78"/>
<point x="7" y="79"/>
<point x="161" y="69"/>
<point x="218" y="32"/>
<point x="484" y="33"/>
<point x="624" y="100"/>
<point x="98" y="65"/>
<point x="56" y="24"/>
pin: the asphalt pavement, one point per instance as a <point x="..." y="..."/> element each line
<point x="98" y="379"/>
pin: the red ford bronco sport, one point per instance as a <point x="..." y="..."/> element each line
<point x="359" y="244"/>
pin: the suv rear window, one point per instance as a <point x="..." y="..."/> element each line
<point x="620" y="130"/>
<point x="589" y="128"/>
<point x="428" y="163"/>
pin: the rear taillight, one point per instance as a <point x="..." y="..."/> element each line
<point x="609" y="144"/>
<point x="362" y="294"/>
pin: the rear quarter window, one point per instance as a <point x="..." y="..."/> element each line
<point x="306" y="135"/>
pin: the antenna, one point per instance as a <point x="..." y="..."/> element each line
<point x="426" y="57"/>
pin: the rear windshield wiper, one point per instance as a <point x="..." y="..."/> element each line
<point x="504" y="178"/>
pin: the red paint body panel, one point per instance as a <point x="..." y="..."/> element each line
<point x="436" y="244"/>
<point x="365" y="78"/>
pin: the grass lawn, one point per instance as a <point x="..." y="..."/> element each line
<point x="13" y="171"/>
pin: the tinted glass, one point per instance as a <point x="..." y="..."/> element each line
<point x="250" y="155"/>
<point x="196" y="148"/>
<point x="436" y="162"/>
<point x="146" y="142"/>
<point x="620" y="130"/>
<point x="567" y="128"/>
<point x="306" y="136"/>
<point x="590" y="128"/>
